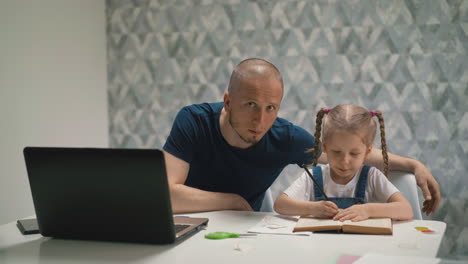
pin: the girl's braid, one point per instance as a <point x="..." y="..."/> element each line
<point x="318" y="130"/>
<point x="383" y="141"/>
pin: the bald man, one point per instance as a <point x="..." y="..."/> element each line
<point x="224" y="156"/>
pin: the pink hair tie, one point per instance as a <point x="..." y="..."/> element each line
<point x="372" y="113"/>
<point x="327" y="110"/>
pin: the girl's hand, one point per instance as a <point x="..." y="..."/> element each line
<point x="324" y="209"/>
<point x="354" y="213"/>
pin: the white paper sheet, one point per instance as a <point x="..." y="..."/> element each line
<point x="384" y="259"/>
<point x="277" y="224"/>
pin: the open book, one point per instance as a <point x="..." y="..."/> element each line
<point x="380" y="226"/>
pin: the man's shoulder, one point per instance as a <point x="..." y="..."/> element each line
<point x="197" y="115"/>
<point x="284" y="128"/>
<point x="279" y="122"/>
<point x="203" y="109"/>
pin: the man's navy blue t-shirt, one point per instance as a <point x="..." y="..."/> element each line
<point x="219" y="167"/>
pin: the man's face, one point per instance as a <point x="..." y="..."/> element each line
<point x="253" y="108"/>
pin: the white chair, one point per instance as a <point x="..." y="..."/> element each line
<point x="268" y="202"/>
<point x="405" y="182"/>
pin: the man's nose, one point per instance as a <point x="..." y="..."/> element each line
<point x="259" y="116"/>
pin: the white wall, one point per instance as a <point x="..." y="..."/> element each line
<point x="53" y="83"/>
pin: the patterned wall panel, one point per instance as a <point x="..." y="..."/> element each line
<point x="407" y="58"/>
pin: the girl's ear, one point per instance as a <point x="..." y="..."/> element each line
<point x="324" y="148"/>
<point x="368" y="151"/>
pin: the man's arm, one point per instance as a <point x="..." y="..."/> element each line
<point x="186" y="199"/>
<point x="424" y="178"/>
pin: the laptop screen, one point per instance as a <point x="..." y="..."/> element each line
<point x="101" y="194"/>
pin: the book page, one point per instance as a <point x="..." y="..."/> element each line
<point x="305" y="221"/>
<point x="373" y="222"/>
<point x="369" y="226"/>
<point x="314" y="224"/>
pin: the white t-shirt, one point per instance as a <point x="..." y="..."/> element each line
<point x="378" y="189"/>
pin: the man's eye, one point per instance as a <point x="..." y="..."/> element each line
<point x="354" y="154"/>
<point x="336" y="151"/>
<point x="251" y="104"/>
<point x="271" y="108"/>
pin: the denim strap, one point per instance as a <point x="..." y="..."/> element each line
<point x="360" y="191"/>
<point x="317" y="173"/>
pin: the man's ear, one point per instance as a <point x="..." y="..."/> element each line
<point x="227" y="101"/>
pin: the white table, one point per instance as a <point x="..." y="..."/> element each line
<point x="316" y="248"/>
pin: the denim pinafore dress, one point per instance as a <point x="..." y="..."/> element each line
<point x="343" y="202"/>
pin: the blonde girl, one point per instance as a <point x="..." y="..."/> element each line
<point x="355" y="191"/>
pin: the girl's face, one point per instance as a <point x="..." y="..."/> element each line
<point x="346" y="154"/>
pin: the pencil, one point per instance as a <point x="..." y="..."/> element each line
<point x="315" y="182"/>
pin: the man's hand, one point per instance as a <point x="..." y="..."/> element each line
<point x="429" y="187"/>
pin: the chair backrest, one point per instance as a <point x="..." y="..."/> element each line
<point x="405" y="182"/>
<point x="268" y="202"/>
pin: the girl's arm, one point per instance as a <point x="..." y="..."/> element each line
<point x="424" y="177"/>
<point x="286" y="205"/>
<point x="397" y="207"/>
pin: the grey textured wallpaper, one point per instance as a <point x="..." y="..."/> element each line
<point x="406" y="58"/>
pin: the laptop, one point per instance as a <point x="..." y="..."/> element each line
<point x="104" y="194"/>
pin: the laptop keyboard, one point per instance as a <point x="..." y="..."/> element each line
<point x="179" y="227"/>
